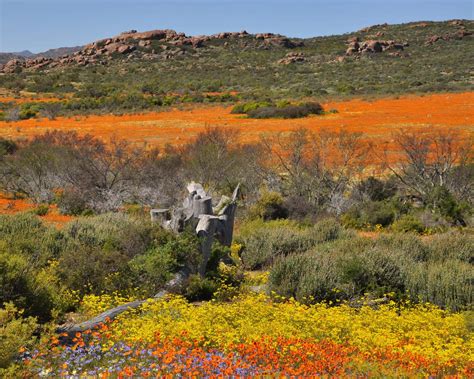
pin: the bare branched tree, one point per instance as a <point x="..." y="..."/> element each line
<point x="318" y="167"/>
<point x="433" y="159"/>
<point x="218" y="161"/>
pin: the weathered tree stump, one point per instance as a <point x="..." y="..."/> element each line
<point x="208" y="222"/>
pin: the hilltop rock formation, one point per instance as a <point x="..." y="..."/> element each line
<point x="355" y="47"/>
<point x="457" y="35"/>
<point x="293" y="57"/>
<point x="137" y="45"/>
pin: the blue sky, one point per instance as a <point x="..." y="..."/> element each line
<point x="38" y="25"/>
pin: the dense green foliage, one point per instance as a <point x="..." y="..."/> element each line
<point x="265" y="241"/>
<point x="15" y="332"/>
<point x="439" y="270"/>
<point x="44" y="270"/>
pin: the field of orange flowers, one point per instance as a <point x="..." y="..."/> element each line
<point x="11" y="206"/>
<point x="377" y="119"/>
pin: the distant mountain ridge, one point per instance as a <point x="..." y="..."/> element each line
<point x="26" y="54"/>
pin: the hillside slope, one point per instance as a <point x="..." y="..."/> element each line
<point x="382" y="59"/>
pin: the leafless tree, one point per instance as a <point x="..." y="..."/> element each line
<point x="218" y="161"/>
<point x="433" y="159"/>
<point x="12" y="114"/>
<point x="318" y="167"/>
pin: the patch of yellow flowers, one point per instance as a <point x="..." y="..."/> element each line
<point x="423" y="329"/>
<point x="92" y="305"/>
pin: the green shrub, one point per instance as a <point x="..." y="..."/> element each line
<point x="29" y="110"/>
<point x="155" y="267"/>
<point x="41" y="210"/>
<point x="199" y="288"/>
<point x="339" y="271"/>
<point x="71" y="202"/>
<point x="408" y="223"/>
<point x="91" y="269"/>
<point x="265" y="241"/>
<point x="327" y="230"/>
<point x="440" y="199"/>
<point x="245" y="108"/>
<point x="369" y="214"/>
<point x="452" y="245"/>
<point x="15" y="332"/>
<point x="98" y="250"/>
<point x="28" y="276"/>
<point x="348" y="269"/>
<point x="113" y="231"/>
<point x="374" y="189"/>
<point x="115" y="252"/>
<point x="269" y="207"/>
<point x="7" y="147"/>
<point x="288" y="111"/>
<point x="449" y="284"/>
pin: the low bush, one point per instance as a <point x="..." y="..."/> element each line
<point x="28" y="276"/>
<point x="199" y="288"/>
<point x="41" y="210"/>
<point x="15" y="332"/>
<point x="408" y="223"/>
<point x="7" y="147"/>
<point x="245" y="108"/>
<point x="372" y="213"/>
<point x="282" y="109"/>
<point x="374" y="189"/>
<point x="98" y="251"/>
<point x="448" y="284"/>
<point x="440" y="199"/>
<point x="71" y="202"/>
<point x="270" y="206"/>
<point x="29" y="110"/>
<point x="402" y="265"/>
<point x="288" y="111"/>
<point x="154" y="268"/>
<point x="452" y="245"/>
<point x="265" y="241"/>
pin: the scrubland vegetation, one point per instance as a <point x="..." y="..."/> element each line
<point x="252" y="73"/>
<point x="353" y="253"/>
<point x="344" y="246"/>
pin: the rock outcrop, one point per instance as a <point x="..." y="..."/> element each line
<point x="457" y="35"/>
<point x="137" y="45"/>
<point x="293" y="57"/>
<point x="355" y="47"/>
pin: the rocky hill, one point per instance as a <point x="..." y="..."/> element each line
<point x="380" y="59"/>
<point x="150" y="45"/>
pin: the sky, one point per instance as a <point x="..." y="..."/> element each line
<point x="38" y="25"/>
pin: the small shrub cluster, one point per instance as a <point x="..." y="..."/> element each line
<point x="245" y="108"/>
<point x="269" y="206"/>
<point x="280" y="110"/>
<point x="349" y="269"/>
<point x="43" y="270"/>
<point x="16" y="332"/>
<point x="263" y="242"/>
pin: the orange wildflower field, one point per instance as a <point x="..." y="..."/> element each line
<point x="377" y="119"/>
<point x="12" y="206"/>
